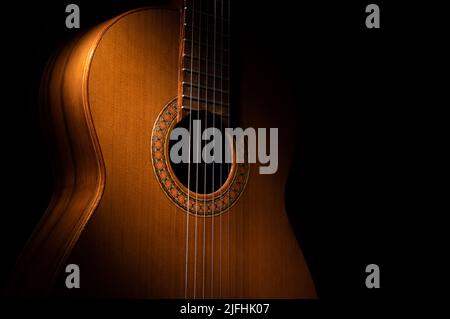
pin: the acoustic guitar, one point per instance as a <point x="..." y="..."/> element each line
<point x="137" y="224"/>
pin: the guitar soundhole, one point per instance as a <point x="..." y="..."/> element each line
<point x="195" y="188"/>
<point x="202" y="177"/>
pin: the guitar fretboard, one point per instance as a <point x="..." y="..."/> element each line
<point x="205" y="55"/>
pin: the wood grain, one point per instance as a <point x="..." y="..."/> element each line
<point x="137" y="243"/>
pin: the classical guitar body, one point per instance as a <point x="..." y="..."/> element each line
<point x="110" y="100"/>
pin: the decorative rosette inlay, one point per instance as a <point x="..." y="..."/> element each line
<point x="198" y="204"/>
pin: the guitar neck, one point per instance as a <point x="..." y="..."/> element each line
<point x="204" y="75"/>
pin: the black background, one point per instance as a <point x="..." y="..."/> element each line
<point x="369" y="165"/>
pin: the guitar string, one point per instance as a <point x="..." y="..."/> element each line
<point x="197" y="148"/>
<point x="206" y="125"/>
<point x="221" y="164"/>
<point x="214" y="146"/>
<point x="229" y="124"/>
<point x="189" y="159"/>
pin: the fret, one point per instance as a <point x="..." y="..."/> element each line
<point x="199" y="106"/>
<point x="206" y="34"/>
<point x="202" y="87"/>
<point x="206" y="95"/>
<point x="205" y="20"/>
<point x="204" y="45"/>
<point x="203" y="24"/>
<point x="212" y="54"/>
<point x="196" y="62"/>
<point x="206" y="17"/>
<point x="207" y="102"/>
<point x="217" y="72"/>
<point x="194" y="79"/>
<point x="215" y="75"/>
<point x="220" y="29"/>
